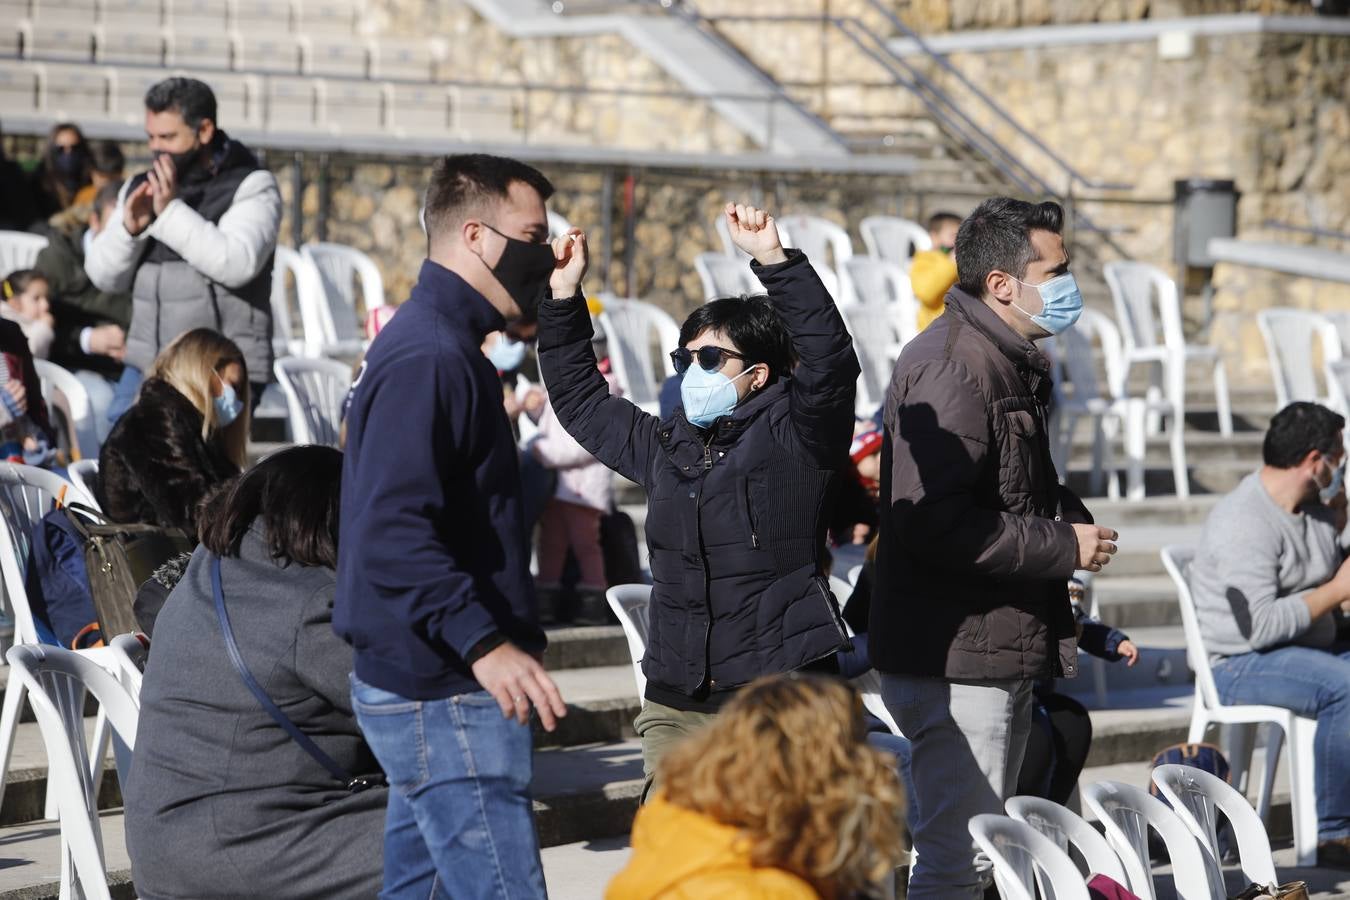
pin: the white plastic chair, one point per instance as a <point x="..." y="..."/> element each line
<point x="826" y="245"/>
<point x="1197" y="798"/>
<point x="1291" y="335"/>
<point x="1149" y="314"/>
<point x="1338" y="379"/>
<point x="1126" y="814"/>
<point x="1110" y="411"/>
<point x="630" y="603"/>
<point x="1341" y="320"/>
<point x="19" y="250"/>
<point x="83" y="431"/>
<point x="876" y="340"/>
<point x="1207" y="709"/>
<point x="894" y="239"/>
<point x="729" y="247"/>
<point x="557" y="225"/>
<point x="867" y="684"/>
<point x="84" y="475"/>
<point x="1067" y="829"/>
<point x="288" y="266"/>
<point x="338" y="318"/>
<point x="631" y="326"/>
<point x="129" y="653"/>
<point x="725" y="276"/>
<point x="1027" y="864"/>
<point x="315" y="391"/>
<point x="57" y="681"/>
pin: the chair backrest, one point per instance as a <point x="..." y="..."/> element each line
<point x="129" y="655"/>
<point x="57" y="681"/>
<point x="1340" y="319"/>
<point x="878" y="281"/>
<point x="894" y="239"/>
<point x="84" y="432"/>
<point x="1127" y="813"/>
<point x="1338" y="379"/>
<point x="557" y="225"/>
<point x="1197" y="797"/>
<point x="826" y="245"/>
<point x="84" y="475"/>
<point x="315" y="390"/>
<point x="19" y="250"/>
<point x="1024" y="859"/>
<point x="1074" y="349"/>
<point x="631" y="326"/>
<point x="1147" y="306"/>
<point x="292" y="268"/>
<point x="1177" y="559"/>
<point x="630" y="603"/>
<point x="876" y="340"/>
<point x="1290" y="336"/>
<point x="1068" y="830"/>
<point x="339" y="267"/>
<point x="725" y="276"/>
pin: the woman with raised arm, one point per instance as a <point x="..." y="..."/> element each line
<point x="739" y="480"/>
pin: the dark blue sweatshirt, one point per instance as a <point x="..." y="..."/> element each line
<point x="433" y="555"/>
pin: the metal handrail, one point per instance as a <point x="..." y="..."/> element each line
<point x="1306" y="229"/>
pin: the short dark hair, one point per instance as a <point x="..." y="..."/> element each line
<point x="107" y="197"/>
<point x="938" y="219"/>
<point x="107" y="158"/>
<point x="293" y="494"/>
<point x="190" y="98"/>
<point x="1299" y="429"/>
<point x="17" y="282"/>
<point x="753" y="326"/>
<point x="997" y="236"/>
<point x="463" y="184"/>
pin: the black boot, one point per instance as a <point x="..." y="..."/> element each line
<point x="548" y="602"/>
<point x="593" y="609"/>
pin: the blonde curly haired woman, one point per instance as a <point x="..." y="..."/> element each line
<point x="778" y="798"/>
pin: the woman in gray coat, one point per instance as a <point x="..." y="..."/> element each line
<point x="221" y="801"/>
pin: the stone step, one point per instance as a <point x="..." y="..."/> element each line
<point x="1202" y="448"/>
<point x="1139" y="547"/>
<point x="1213" y="478"/>
<point x="581" y="647"/>
<point x="602" y="702"/>
<point x="26" y="782"/>
<point x="1137" y="601"/>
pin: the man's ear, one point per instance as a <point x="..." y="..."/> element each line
<point x="999" y="285"/>
<point x="206" y="131"/>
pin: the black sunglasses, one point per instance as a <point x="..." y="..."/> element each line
<point x="710" y="358"/>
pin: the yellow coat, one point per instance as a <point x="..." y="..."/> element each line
<point x="932" y="273"/>
<point x="683" y="855"/>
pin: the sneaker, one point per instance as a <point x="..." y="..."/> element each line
<point x="1334" y="854"/>
<point x="593" y="609"/>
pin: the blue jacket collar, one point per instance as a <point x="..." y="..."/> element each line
<point x="456" y="300"/>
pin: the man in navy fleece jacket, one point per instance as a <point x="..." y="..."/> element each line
<point x="434" y="589"/>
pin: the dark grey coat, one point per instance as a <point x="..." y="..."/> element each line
<point x="220" y="801"/>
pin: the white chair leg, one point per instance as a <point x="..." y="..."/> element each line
<point x="1221" y="399"/>
<point x="1303" y="791"/>
<point x="1180" y="474"/>
<point x="15" y="693"/>
<point x="1199" y="723"/>
<point x="1237" y="743"/>
<point x="1274" y="741"/>
<point x="1098" y="474"/>
<point x="1136" y="448"/>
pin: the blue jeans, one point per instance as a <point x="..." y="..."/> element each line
<point x="460" y="821"/>
<point x="124" y="393"/>
<point x="1313" y="683"/>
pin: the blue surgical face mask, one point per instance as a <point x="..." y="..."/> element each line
<point x="707" y="396"/>
<point x="1329" y="492"/>
<point x="506" y="354"/>
<point x="228" y="405"/>
<point x="1061" y="303"/>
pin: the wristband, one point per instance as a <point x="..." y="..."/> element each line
<point x="484" y="647"/>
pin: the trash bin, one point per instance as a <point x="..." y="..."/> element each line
<point x="1205" y="208"/>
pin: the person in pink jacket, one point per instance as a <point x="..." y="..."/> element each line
<point x="571" y="518"/>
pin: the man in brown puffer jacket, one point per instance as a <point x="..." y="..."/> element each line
<point x="977" y="543"/>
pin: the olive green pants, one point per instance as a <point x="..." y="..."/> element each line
<point x="660" y="729"/>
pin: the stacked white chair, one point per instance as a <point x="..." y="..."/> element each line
<point x="1293" y="337"/>
<point x="630" y="327"/>
<point x="1027" y="864"/>
<point x="1197" y="798"/>
<point x="1127" y="813"/>
<point x="84" y="475"/>
<point x="630" y="603"/>
<point x="57" y="681"/>
<point x="337" y="317"/>
<point x="290" y="267"/>
<point x="1340" y="319"/>
<point x="19" y="250"/>
<point x="83" y="431"/>
<point x="1069" y="830"/>
<point x="725" y="276"/>
<point x="1148" y="311"/>
<point x="827" y="246"/>
<point x="894" y="239"/>
<point x="1338" y="379"/>
<point x="129" y="653"/>
<point x="315" y="391"/>
<point x="1281" y="724"/>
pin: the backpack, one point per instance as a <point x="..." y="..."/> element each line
<point x="57" y="582"/>
<point x="1208" y="758"/>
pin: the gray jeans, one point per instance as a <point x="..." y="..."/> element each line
<point x="967" y="739"/>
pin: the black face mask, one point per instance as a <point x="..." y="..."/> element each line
<point x="523" y="270"/>
<point x="183" y="163"/>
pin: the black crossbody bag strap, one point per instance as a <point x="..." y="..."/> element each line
<point x="355" y="784"/>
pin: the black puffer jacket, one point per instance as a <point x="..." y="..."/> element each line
<point x="976" y="546"/>
<point x="736" y="514"/>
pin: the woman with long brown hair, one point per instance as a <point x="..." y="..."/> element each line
<point x="64" y="169"/>
<point x="778" y="797"/>
<point x="187" y="432"/>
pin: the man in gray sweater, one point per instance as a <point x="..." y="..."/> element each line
<point x="1268" y="579"/>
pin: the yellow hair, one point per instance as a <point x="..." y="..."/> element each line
<point x="191" y="364"/>
<point x="788" y="763"/>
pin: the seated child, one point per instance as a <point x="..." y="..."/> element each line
<point x="26" y="303"/>
<point x="25" y="430"/>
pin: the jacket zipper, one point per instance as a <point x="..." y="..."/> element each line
<point x="703" y="556"/>
<point x="750" y="517"/>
